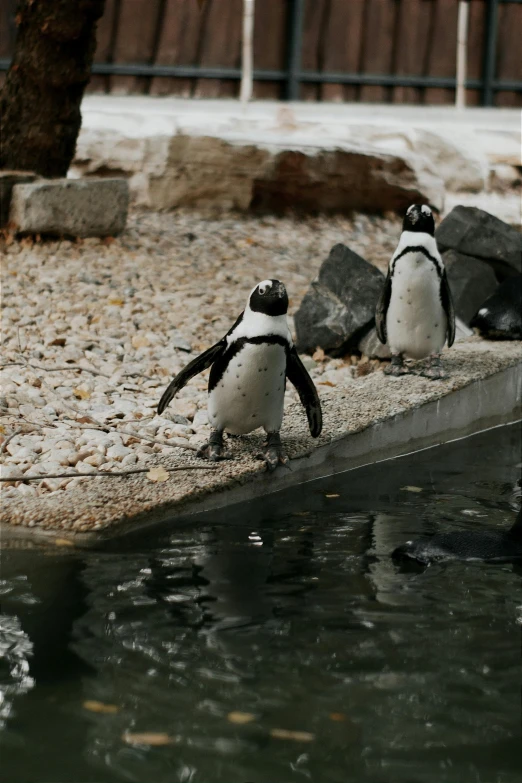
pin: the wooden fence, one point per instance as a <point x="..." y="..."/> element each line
<point x="402" y="38"/>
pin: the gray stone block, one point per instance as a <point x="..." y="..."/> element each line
<point x="8" y="179"/>
<point x="71" y="207"/>
<point x="340" y="305"/>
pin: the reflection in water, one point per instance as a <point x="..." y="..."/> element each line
<point x="15" y="649"/>
<point x="42" y="598"/>
<point x="292" y="611"/>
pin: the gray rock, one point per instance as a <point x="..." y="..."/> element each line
<point x="8" y="179"/>
<point x="471" y="282"/>
<point x="340" y="305"/>
<point x="71" y="207"/>
<point x="371" y="346"/>
<point x="477" y="233"/>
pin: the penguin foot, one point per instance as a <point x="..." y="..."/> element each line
<point x="273" y="454"/>
<point x="396" y="367"/>
<point x="434" y="370"/>
<point x="214" y="450"/>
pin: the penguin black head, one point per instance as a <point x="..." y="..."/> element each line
<point x="269" y="297"/>
<point x="419" y="217"/>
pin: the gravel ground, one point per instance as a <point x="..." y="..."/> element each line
<point x="93" y="331"/>
<point x="131" y="312"/>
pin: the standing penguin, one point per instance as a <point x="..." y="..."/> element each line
<point x="415" y="311"/>
<point x="249" y="368"/>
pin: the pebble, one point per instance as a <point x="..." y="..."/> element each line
<point x="85" y="467"/>
<point x="118" y="452"/>
<point x="95" y="460"/>
<point x="52" y="484"/>
<point x="187" y="408"/>
<point x="176" y="418"/>
<point x="200" y="418"/>
<point x="25" y="455"/>
<point x="9" y="471"/>
<point x="60" y="456"/>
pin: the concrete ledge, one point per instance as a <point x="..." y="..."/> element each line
<point x="366" y="420"/>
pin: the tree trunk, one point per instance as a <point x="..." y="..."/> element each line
<point x="40" y="104"/>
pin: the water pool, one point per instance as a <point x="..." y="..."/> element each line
<point x="276" y="640"/>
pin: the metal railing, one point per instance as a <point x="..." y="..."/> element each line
<point x="294" y="76"/>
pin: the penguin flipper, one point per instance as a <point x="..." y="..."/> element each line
<point x="447" y="305"/>
<point x="197" y="365"/>
<point x="298" y="376"/>
<point x="382" y="309"/>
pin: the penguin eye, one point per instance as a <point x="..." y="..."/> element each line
<point x="262" y="290"/>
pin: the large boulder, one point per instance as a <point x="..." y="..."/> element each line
<point x="283" y="175"/>
<point x="340" y="305"/>
<point x="500" y="316"/>
<point x="477" y="233"/>
<point x="471" y="282"/>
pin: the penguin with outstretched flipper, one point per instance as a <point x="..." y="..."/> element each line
<point x="249" y="368"/>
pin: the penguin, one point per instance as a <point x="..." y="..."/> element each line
<point x="415" y="313"/>
<point x="500" y="316"/>
<point x="487" y="545"/>
<point x="249" y="369"/>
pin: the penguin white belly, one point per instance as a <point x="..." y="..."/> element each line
<point x="416" y="323"/>
<point x="251" y="392"/>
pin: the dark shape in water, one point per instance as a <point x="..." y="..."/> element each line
<point x="500" y="317"/>
<point x="493" y="545"/>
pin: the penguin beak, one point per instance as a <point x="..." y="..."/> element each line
<point x="280" y="290"/>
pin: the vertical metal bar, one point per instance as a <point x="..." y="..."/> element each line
<point x="462" y="53"/>
<point x="115" y="26"/>
<point x="247" y="52"/>
<point x="490" y="53"/>
<point x="158" y="29"/>
<point x="156" y="40"/>
<point x="295" y="42"/>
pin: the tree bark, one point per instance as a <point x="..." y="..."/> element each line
<point x="40" y="114"/>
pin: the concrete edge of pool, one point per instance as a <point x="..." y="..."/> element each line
<point x="478" y="404"/>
